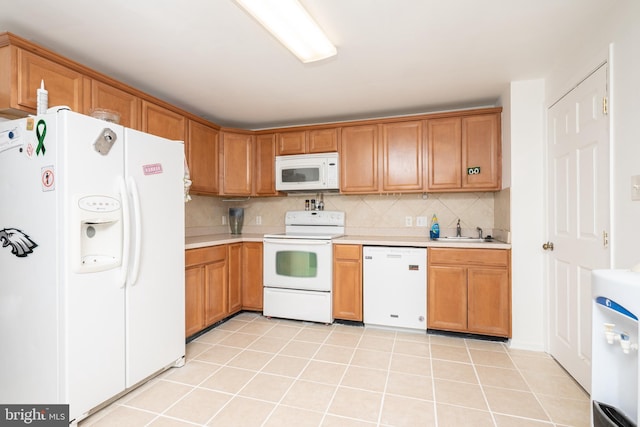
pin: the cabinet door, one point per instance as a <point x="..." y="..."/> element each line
<point x="292" y="143"/>
<point x="215" y="290"/>
<point x="234" y="258"/>
<point x="64" y="86"/>
<point x="194" y="300"/>
<point x="481" y="151"/>
<point x="402" y="156"/>
<point x="489" y="301"/>
<point x="202" y="158"/>
<point x="447" y="298"/>
<point x="237" y="160"/>
<point x="359" y="159"/>
<point x="323" y="140"/>
<point x="101" y="95"/>
<point x="347" y="282"/>
<point x="163" y="122"/>
<point x="252" y="276"/>
<point x="444" y="153"/>
<point x="265" y="173"/>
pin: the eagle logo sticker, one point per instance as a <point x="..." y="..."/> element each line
<point x="21" y="244"/>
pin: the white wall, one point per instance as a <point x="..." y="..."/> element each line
<point x="523" y="132"/>
<point x="618" y="33"/>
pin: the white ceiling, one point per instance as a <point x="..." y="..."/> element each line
<point x="394" y="56"/>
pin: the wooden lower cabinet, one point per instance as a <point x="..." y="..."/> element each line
<point x="347" y="282"/>
<point x="194" y="299"/>
<point x="216" y="286"/>
<point x="220" y="281"/>
<point x="234" y="254"/>
<point x="206" y="283"/>
<point x="469" y="290"/>
<point x="252" y="276"/>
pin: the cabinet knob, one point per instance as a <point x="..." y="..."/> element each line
<point x="548" y="246"/>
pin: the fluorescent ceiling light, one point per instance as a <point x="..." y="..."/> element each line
<point x="292" y="25"/>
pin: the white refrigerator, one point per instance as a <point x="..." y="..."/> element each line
<point x="91" y="259"/>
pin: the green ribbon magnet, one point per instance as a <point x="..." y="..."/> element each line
<point x="40" y="134"/>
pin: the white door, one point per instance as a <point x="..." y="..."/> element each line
<point x="578" y="218"/>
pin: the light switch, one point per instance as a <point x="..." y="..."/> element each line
<point x="408" y="221"/>
<point x="635" y="187"/>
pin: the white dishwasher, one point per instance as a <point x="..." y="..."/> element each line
<point x="395" y="287"/>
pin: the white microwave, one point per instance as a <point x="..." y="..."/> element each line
<point x="307" y="172"/>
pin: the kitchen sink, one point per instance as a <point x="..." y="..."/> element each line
<point x="464" y="239"/>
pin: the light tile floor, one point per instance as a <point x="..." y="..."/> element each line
<point x="254" y="371"/>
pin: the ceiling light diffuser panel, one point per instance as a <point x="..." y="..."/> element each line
<point x="292" y="25"/>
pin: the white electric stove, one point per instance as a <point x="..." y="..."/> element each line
<point x="298" y="266"/>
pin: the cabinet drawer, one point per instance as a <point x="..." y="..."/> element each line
<point x="205" y="255"/>
<point x="484" y="257"/>
<point x="346" y="252"/>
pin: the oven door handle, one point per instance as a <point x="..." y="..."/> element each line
<point x="299" y="242"/>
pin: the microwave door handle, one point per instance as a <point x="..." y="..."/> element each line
<point x="323" y="172"/>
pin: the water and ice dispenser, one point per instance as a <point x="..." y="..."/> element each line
<point x="98" y="239"/>
<point x="614" y="373"/>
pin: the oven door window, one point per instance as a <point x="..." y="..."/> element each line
<point x="297" y="264"/>
<point x="301" y="174"/>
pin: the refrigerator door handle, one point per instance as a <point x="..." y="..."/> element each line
<point x="135" y="269"/>
<point x="126" y="238"/>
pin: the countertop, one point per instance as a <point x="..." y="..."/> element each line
<point x="193" y="242"/>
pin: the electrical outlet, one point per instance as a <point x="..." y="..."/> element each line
<point x="258" y="220"/>
<point x="408" y="221"/>
<point x="224" y="220"/>
<point x="421" y="221"/>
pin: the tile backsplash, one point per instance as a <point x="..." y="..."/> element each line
<point x="382" y="215"/>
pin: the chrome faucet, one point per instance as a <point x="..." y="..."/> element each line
<point x="458" y="229"/>
<point x="479" y="232"/>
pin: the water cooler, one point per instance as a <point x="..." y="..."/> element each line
<point x="614" y="369"/>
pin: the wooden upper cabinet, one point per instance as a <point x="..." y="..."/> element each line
<point x="265" y="156"/>
<point x="236" y="152"/>
<point x="323" y="140"/>
<point x="464" y="153"/>
<point x="161" y="121"/>
<point x="102" y="95"/>
<point x="64" y="85"/>
<point x="307" y="142"/>
<point x="444" y="153"/>
<point x="291" y="143"/>
<point x="402" y="156"/>
<point x="481" y="152"/>
<point x="202" y="147"/>
<point x="359" y="159"/>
